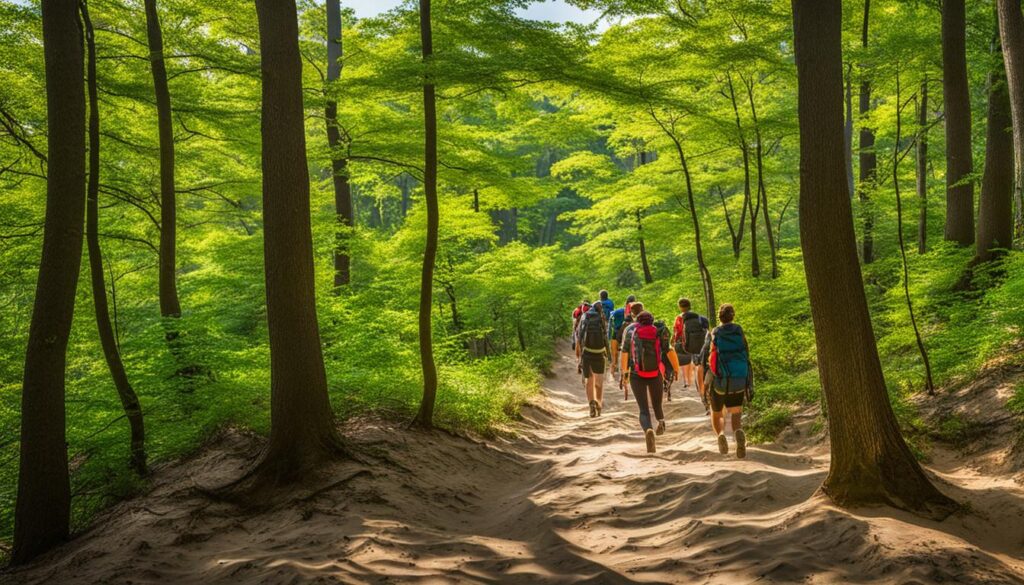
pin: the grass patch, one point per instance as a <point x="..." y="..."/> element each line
<point x="768" y="423"/>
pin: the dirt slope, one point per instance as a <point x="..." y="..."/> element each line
<point x="569" y="500"/>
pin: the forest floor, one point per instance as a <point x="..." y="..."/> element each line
<point x="567" y="499"/>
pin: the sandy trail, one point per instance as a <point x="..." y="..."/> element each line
<point x="569" y="499"/>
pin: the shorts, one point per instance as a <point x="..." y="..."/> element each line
<point x="686" y="359"/>
<point x="720" y="400"/>
<point x="593" y="363"/>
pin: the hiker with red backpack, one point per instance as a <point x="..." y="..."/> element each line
<point x="592" y="349"/>
<point x="689" y="333"/>
<point x="730" y="379"/>
<point x="641" y="361"/>
<point x="577" y="314"/>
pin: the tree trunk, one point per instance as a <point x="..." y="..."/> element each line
<point x="1011" y="32"/>
<point x="762" y="190"/>
<point x="339" y="158"/>
<point x="129" y="400"/>
<point x="868" y="158"/>
<point x="169" y="305"/>
<point x="959" y="163"/>
<point x="922" y="169"/>
<point x="896" y="158"/>
<point x="425" y="417"/>
<point x="648" y="277"/>
<point x="870" y="462"/>
<point x="735" y="236"/>
<point x="302" y="432"/>
<point x="43" y="508"/>
<point x="748" y="199"/>
<point x="476" y="200"/>
<point x="995" y="208"/>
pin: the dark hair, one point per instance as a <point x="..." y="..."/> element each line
<point x="645" y="318"/>
<point x="604" y="295"/>
<point x="636" y="308"/>
<point x="684" y="303"/>
<point x="631" y="299"/>
<point x="586" y="302"/>
<point x="726" y="313"/>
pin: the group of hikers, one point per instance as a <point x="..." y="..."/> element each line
<point x="648" y="357"/>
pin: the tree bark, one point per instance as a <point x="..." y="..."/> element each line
<point x="922" y="169"/>
<point x="868" y="158"/>
<point x="995" y="208"/>
<point x="302" y="432"/>
<point x="111" y="352"/>
<point x="1011" y="33"/>
<point x="43" y="508"/>
<point x="339" y="159"/>
<point x="959" y="163"/>
<point x="169" y="304"/>
<point x="870" y="462"/>
<point x="425" y="417"/>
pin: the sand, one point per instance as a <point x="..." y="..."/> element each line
<point x="568" y="499"/>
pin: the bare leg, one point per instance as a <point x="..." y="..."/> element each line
<point x="718" y="421"/>
<point x="687" y="374"/>
<point x="590" y="386"/>
<point x="737" y="417"/>
<point x="599" y="389"/>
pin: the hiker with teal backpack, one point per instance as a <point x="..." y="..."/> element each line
<point x="730" y="378"/>
<point x="689" y="334"/>
<point x="641" y="361"/>
<point x="592" y="349"/>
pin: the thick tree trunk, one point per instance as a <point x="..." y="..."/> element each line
<point x="995" y="208"/>
<point x="1011" y="32"/>
<point x="648" y="277"/>
<point x="425" y="417"/>
<point x="169" y="305"/>
<point x="922" y="169"/>
<point x="868" y="158"/>
<point x="302" y="432"/>
<point x="870" y="463"/>
<point x="111" y="352"/>
<point x="959" y="162"/>
<point x="43" y="508"/>
<point x="339" y="159"/>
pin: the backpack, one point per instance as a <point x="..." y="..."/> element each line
<point x="593" y="334"/>
<point x="646" y="351"/>
<point x="731" y="366"/>
<point x="665" y="336"/>
<point x="618" y="316"/>
<point x="693" y="333"/>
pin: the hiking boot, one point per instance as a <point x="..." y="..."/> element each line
<point x="741" y="444"/>
<point x="723" y="445"/>
<point x="661" y="428"/>
<point x="649" y="436"/>
<point x="593" y="408"/>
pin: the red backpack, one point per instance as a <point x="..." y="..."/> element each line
<point x="646" y="351"/>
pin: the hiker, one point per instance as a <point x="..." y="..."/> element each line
<point x="730" y="379"/>
<point x="592" y="348"/>
<point x="665" y="334"/>
<point x="577" y="314"/>
<point x="640" y="361"/>
<point x="608" y="304"/>
<point x="630" y="317"/>
<point x="618" y="320"/>
<point x="689" y="333"/>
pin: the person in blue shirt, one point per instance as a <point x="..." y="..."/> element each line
<point x="615" y="325"/>
<point x="609" y="306"/>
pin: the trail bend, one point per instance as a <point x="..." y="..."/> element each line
<point x="568" y="499"/>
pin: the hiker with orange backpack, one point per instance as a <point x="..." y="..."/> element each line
<point x="730" y="379"/>
<point x="641" y="362"/>
<point x="592" y="352"/>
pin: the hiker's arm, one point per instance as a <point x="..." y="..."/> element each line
<point x="674" y="360"/>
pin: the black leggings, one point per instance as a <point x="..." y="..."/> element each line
<point x="641" y="386"/>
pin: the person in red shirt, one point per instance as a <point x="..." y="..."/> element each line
<point x="577" y="314"/>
